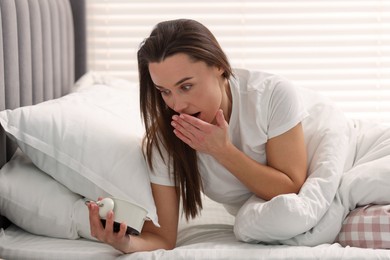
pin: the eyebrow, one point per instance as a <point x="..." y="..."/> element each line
<point x="177" y="83"/>
<point x="182" y="80"/>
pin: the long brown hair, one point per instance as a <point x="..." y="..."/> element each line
<point x="166" y="39"/>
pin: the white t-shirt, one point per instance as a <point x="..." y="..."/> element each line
<point x="263" y="106"/>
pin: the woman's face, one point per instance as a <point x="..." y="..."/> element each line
<point x="190" y="87"/>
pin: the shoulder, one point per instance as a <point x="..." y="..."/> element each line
<point x="269" y="101"/>
<point x="261" y="87"/>
<point x="259" y="81"/>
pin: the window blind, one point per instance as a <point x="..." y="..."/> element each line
<point x="340" y="48"/>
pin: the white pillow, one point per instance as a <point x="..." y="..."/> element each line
<point x="89" y="140"/>
<point x="36" y="202"/>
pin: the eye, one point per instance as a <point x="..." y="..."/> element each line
<point x="165" y="92"/>
<point x="186" y="87"/>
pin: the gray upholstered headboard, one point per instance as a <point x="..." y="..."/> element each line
<point x="42" y="53"/>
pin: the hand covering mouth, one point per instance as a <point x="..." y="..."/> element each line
<point x="195" y="114"/>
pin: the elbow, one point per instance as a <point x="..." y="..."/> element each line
<point x="170" y="247"/>
<point x="296" y="178"/>
<point x="169" y="244"/>
<point x="300" y="181"/>
<point x="296" y="188"/>
<point x="293" y="187"/>
<point x="297" y="185"/>
<point x="167" y="247"/>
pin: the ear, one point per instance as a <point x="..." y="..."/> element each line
<point x="220" y="71"/>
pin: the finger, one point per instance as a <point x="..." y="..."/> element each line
<point x="191" y="126"/>
<point x="94" y="219"/>
<point x="181" y="131"/>
<point x="184" y="138"/>
<point x="91" y="217"/>
<point x="109" y="222"/>
<point x="193" y="121"/>
<point x="220" y="118"/>
<point x="122" y="229"/>
<point x="93" y="212"/>
<point x="184" y="129"/>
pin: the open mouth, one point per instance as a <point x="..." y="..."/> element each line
<point x="196" y="114"/>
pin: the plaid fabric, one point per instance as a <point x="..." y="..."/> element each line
<point x="366" y="227"/>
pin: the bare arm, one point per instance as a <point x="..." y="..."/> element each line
<point x="151" y="237"/>
<point x="285" y="171"/>
<point x="286" y="167"/>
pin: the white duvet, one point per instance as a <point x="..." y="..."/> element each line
<point x="349" y="165"/>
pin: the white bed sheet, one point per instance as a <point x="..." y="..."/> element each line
<point x="208" y="237"/>
<point x="210" y="242"/>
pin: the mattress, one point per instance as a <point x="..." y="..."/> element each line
<point x="209" y="236"/>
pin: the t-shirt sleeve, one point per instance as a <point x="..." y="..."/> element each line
<point x="286" y="108"/>
<point x="160" y="174"/>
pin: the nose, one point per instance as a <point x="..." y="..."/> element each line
<point x="179" y="105"/>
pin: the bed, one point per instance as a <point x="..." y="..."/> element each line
<point x="44" y="53"/>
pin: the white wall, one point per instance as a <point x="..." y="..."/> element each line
<point x="341" y="48"/>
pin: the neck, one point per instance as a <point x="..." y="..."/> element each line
<point x="227" y="101"/>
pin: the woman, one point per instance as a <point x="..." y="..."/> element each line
<point x="229" y="134"/>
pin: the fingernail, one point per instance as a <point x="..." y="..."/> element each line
<point x="173" y="123"/>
